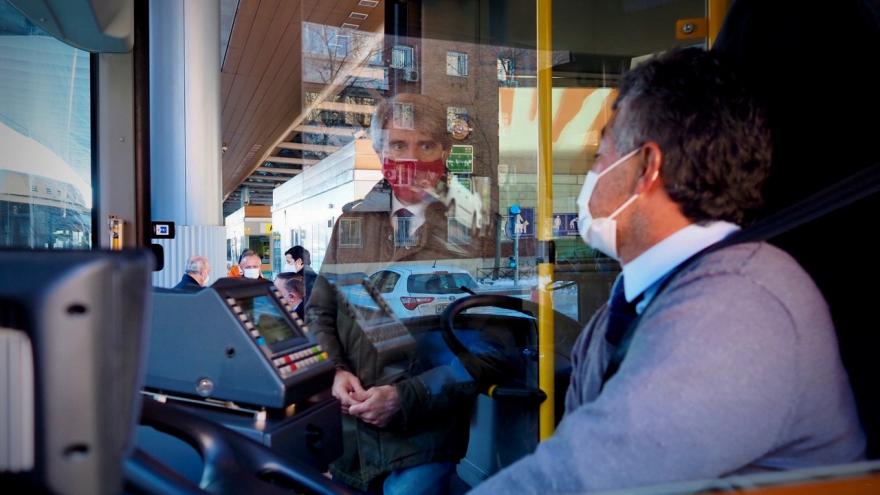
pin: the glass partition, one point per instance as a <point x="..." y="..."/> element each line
<point x="45" y="135"/>
<point x="415" y="152"/>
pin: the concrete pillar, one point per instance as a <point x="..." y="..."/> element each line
<point x="185" y="163"/>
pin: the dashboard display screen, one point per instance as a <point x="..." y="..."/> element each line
<point x="269" y="319"/>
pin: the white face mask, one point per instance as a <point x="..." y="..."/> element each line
<point x="601" y="233"/>
<point x="294" y="267"/>
<point x="252" y="273"/>
<point x="205" y="281"/>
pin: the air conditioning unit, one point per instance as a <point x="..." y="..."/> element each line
<point x="410" y="75"/>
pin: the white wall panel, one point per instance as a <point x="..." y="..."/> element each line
<point x="206" y="240"/>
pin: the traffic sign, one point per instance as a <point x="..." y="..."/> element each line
<point x="461" y="159"/>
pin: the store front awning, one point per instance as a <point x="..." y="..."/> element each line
<point x="578" y="117"/>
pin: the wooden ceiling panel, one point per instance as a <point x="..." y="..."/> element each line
<point x="263" y="132"/>
<point x="281" y="50"/>
<point x="252" y="67"/>
<point x="262" y="76"/>
<point x="271" y="115"/>
<point x="226" y="81"/>
<point x="238" y="37"/>
<point x="256" y="46"/>
<point x="238" y="91"/>
<point x="255" y="124"/>
<point x="277" y="95"/>
<point x="233" y="58"/>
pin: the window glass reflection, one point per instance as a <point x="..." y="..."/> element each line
<point x="413" y="152"/>
<point x="45" y="134"/>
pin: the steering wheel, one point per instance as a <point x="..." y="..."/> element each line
<point x="233" y="463"/>
<point x="488" y="370"/>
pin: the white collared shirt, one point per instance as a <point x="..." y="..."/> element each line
<point x="643" y="274"/>
<point x="417" y="210"/>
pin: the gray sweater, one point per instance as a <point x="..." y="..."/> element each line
<point x="733" y="369"/>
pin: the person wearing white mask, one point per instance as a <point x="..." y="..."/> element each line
<point x="250" y="265"/>
<point x="298" y="260"/>
<point x="710" y="359"/>
<point x="295" y="259"/>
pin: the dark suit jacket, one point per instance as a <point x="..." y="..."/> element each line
<point x="364" y="235"/>
<point x="188" y="283"/>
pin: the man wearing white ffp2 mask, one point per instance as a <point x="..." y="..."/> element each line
<point x="250" y="266"/>
<point x="601" y="233"/>
<point x="659" y="367"/>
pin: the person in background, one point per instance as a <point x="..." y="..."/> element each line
<point x="711" y="358"/>
<point x="196" y="274"/>
<point x="292" y="288"/>
<point x="299" y="260"/>
<point x="393" y="441"/>
<point x="250" y="265"/>
<point x="235" y="270"/>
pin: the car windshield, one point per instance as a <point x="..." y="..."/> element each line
<point x="439" y="283"/>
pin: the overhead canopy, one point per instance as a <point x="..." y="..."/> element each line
<point x="578" y="116"/>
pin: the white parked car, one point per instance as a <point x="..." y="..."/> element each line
<point x="462" y="204"/>
<point x="415" y="290"/>
<point x="420" y="290"/>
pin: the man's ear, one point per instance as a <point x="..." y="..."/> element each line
<point x="652" y="157"/>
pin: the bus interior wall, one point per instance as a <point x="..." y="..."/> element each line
<point x="810" y="64"/>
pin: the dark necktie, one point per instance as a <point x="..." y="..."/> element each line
<point x="621" y="316"/>
<point x="403" y="217"/>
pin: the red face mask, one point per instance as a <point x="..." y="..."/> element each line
<point x="411" y="179"/>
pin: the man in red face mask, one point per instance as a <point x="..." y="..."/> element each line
<point x="413" y="164"/>
<point x="409" y="135"/>
<point x="404" y="217"/>
<point x="389" y="437"/>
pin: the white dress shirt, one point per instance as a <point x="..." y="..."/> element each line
<point x="418" y="214"/>
<point x="644" y="274"/>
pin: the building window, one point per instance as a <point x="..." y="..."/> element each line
<point x="375" y="58"/>
<point x="457" y="233"/>
<point x="403" y="235"/>
<point x="505" y="70"/>
<point x="453" y="116"/>
<point x="350" y="235"/>
<point x="402" y="57"/>
<point x="339" y="45"/>
<point x="384" y="281"/>
<point x="456" y="64"/>
<point x="402" y="115"/>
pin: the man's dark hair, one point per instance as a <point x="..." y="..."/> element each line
<point x="300" y="253"/>
<point x="293" y="282"/>
<point x="296" y="284"/>
<point x="245" y="253"/>
<point x="714" y="136"/>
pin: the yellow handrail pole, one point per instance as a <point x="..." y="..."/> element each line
<point x="546" y="361"/>
<point x="716" y="12"/>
